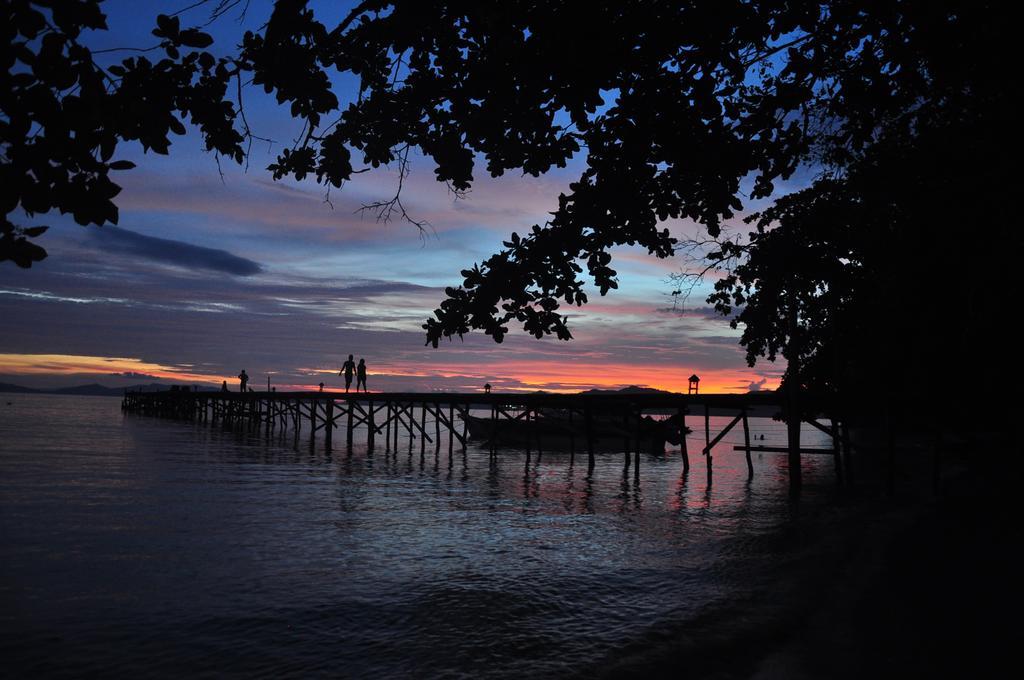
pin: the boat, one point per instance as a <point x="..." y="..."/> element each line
<point x="555" y="430"/>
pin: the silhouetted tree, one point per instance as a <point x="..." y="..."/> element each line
<point x="896" y="259"/>
<point x="64" y="114"/>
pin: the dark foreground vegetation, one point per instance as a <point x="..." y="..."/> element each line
<point x="916" y="585"/>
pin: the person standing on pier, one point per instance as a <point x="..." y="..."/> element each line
<point x="347" y="369"/>
<point x="361" y="375"/>
<point x="243" y="378"/>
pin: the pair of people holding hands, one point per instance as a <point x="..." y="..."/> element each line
<point x="350" y="367"/>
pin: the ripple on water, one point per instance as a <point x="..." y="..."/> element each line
<point x="153" y="548"/>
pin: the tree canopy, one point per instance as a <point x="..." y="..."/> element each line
<point x="677" y="109"/>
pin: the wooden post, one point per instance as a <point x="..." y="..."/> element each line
<point x="589" y="418"/>
<point x="529" y="432"/>
<point x="390" y="417"/>
<point x="707" y="439"/>
<point x="390" y="423"/>
<point x="637" y="440"/>
<point x="572" y="439"/>
<point x="465" y="429"/>
<point x="451" y="430"/>
<point x="398" y="421"/>
<point x="395" y="416"/>
<point x="410" y="422"/>
<point x="312" y="421"/>
<point x="625" y="428"/>
<point x="536" y="431"/>
<point x="371" y="433"/>
<point x="329" y="425"/>
<point x="707" y="425"/>
<point x="437" y="427"/>
<point x="637" y="447"/>
<point x="682" y="439"/>
<point x="746" y="442"/>
<point x="423" y="427"/>
<point x="293" y="411"/>
<point x="349" y="428"/>
<point x="494" y="428"/>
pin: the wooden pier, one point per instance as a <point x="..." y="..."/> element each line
<point x="387" y="414"/>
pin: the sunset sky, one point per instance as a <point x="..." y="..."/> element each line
<point x="203" y="277"/>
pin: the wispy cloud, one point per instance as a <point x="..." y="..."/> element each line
<point x="116" y="240"/>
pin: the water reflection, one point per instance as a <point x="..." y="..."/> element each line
<point x="171" y="542"/>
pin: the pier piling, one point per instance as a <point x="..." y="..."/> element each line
<point x="508" y="413"/>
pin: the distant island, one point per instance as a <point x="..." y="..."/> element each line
<point x="632" y="389"/>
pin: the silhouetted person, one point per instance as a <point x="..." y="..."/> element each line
<point x="243" y="377"/>
<point x="321" y="387"/>
<point x="361" y="375"/>
<point x="347" y="369"/>
<point x="487" y="388"/>
<point x="224" y="386"/>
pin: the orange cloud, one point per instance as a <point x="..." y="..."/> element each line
<point x="71" y="364"/>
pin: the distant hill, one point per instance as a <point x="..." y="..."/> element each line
<point x="93" y="390"/>
<point x="7" y="387"/>
<point x="632" y="389"/>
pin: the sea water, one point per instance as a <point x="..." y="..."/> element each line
<point x="139" y="547"/>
